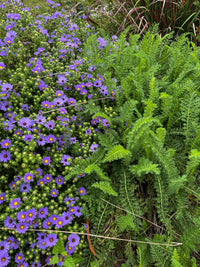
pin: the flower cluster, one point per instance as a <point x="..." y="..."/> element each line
<point x="45" y="129"/>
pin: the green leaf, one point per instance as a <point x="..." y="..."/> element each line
<point x="69" y="262"/>
<point x="54" y="259"/>
<point x="77" y="258"/>
<point x="94" y="168"/>
<point x="117" y="152"/>
<point x="59" y="247"/>
<point x="125" y="222"/>
<point x="94" y="264"/>
<point x="106" y="188"/>
<point x="143" y="167"/>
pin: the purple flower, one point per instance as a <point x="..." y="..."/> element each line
<point x="4" y="259"/>
<point x="97" y="83"/>
<point x="15" y="203"/>
<point x="5" y="156"/>
<point x="9" y="222"/>
<point x="2" y="197"/>
<point x="25" y="107"/>
<point x="73" y="240"/>
<point x="22" y="227"/>
<point x="42" y="212"/>
<point x="51" y="240"/>
<point x="71" y="101"/>
<point x="88" y="132"/>
<point x="42" y="244"/>
<point x="60" y="222"/>
<point x="25" y="187"/>
<point x="41" y="141"/>
<point x="38" y="171"/>
<point x="82" y="191"/>
<point x="70" y="249"/>
<point x="6" y="87"/>
<point x="81" y="175"/>
<point x="69" y="201"/>
<point x="28" y="177"/>
<point x="19" y="257"/>
<point x="93" y="147"/>
<point x="54" y="192"/>
<point x="2" y="65"/>
<point x="62" y="110"/>
<point x="68" y="217"/>
<point x="65" y="159"/>
<point x="41" y="182"/>
<point x="47" y="178"/>
<point x="59" y="181"/>
<point x="31" y="214"/>
<point x="28" y="137"/>
<point x="47" y="223"/>
<point x="46" y="104"/>
<point x="18" y="132"/>
<point x="77" y="211"/>
<point x="21" y="216"/>
<point x="46" y="160"/>
<point x="4" y="247"/>
<point x="105" y="122"/>
<point x="61" y="79"/>
<point x="50" y="125"/>
<point x="50" y="138"/>
<point x="25" y="122"/>
<point x="40" y="119"/>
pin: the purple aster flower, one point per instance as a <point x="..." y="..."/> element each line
<point x="50" y="124"/>
<point x="69" y="201"/>
<point x="31" y="214"/>
<point x="2" y="65"/>
<point x="25" y="187"/>
<point x="65" y="160"/>
<point x="50" y="138"/>
<point x="15" y="203"/>
<point x="2" y="197"/>
<point x="54" y="192"/>
<point x="5" y="156"/>
<point x="97" y="83"/>
<point x="93" y="147"/>
<point x="40" y="119"/>
<point x="4" y="259"/>
<point x="71" y="101"/>
<point x="47" y="178"/>
<point x="61" y="79"/>
<point x="51" y="240"/>
<point x="43" y="244"/>
<point x="41" y="141"/>
<point x="59" y="93"/>
<point x="92" y="68"/>
<point x="63" y="111"/>
<point x="60" y="222"/>
<point x="22" y="227"/>
<point x="41" y="181"/>
<point x="28" y="177"/>
<point x="23" y="264"/>
<point x="39" y="171"/>
<point x="4" y="247"/>
<point x="46" y="160"/>
<point x="59" y="180"/>
<point x="42" y="212"/>
<point x="19" y="257"/>
<point x="88" y="132"/>
<point x="6" y="87"/>
<point x="73" y="140"/>
<point x="77" y="211"/>
<point x="70" y="249"/>
<point x="83" y="92"/>
<point x="28" y="137"/>
<point x="58" y="101"/>
<point x="36" y="264"/>
<point x="73" y="240"/>
<point x="25" y="107"/>
<point x="94" y="122"/>
<point x="21" y="216"/>
<point x="47" y="223"/>
<point x="46" y="104"/>
<point x="9" y="222"/>
<point x="68" y="217"/>
<point x="105" y="122"/>
<point x="82" y="191"/>
<point x="25" y="122"/>
<point x="18" y="132"/>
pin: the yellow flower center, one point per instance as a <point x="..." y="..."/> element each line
<point x="30" y="215"/>
<point x="19" y="257"/>
<point x="22" y="227"/>
<point x="60" y="222"/>
<point x="46" y="160"/>
<point x="1" y="198"/>
<point x="1" y="67"/>
<point x="50" y="139"/>
<point x="81" y="191"/>
<point x="22" y="216"/>
<point x="15" y="203"/>
<point x="28" y="177"/>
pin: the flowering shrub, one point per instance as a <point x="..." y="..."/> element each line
<point x="45" y="131"/>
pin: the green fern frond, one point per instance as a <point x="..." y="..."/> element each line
<point x="125" y="222"/>
<point x="144" y="166"/>
<point x="194" y="161"/>
<point x="94" y="168"/>
<point x="117" y="152"/>
<point x="106" y="188"/>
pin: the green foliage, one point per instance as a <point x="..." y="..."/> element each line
<point x="117" y="152"/>
<point x="106" y="188"/>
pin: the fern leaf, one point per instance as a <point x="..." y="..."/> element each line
<point x="144" y="166"/>
<point x="125" y="222"/>
<point x="106" y="188"/>
<point x="94" y="168"/>
<point x="118" y="152"/>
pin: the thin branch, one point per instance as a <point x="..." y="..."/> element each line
<point x="173" y="244"/>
